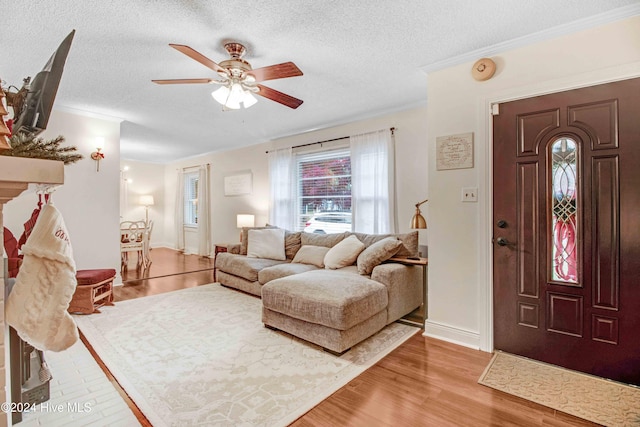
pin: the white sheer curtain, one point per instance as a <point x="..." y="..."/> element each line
<point x="282" y="182"/>
<point x="373" y="182"/>
<point x="179" y="212"/>
<point x="204" y="212"/>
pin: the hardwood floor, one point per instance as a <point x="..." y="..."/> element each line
<point x="169" y="271"/>
<point x="424" y="382"/>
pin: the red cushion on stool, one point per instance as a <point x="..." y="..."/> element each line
<point x="90" y="277"/>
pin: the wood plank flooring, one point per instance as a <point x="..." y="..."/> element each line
<point x="424" y="382"/>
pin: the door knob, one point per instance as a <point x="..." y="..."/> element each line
<point x="501" y="241"/>
<point x="502" y="223"/>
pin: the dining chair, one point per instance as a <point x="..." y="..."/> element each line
<point x="132" y="239"/>
<point x="147" y="242"/>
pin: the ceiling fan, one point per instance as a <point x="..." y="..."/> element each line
<point x="240" y="81"/>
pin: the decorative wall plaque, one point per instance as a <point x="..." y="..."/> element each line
<point x="454" y="151"/>
<point x="238" y="184"/>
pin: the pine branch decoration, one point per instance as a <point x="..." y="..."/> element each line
<point x="23" y="145"/>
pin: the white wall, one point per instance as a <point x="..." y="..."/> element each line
<point x="144" y="178"/>
<point x="88" y="200"/>
<point x="223" y="208"/>
<point x="411" y="182"/>
<point x="460" y="240"/>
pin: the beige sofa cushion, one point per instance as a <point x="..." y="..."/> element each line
<point x="327" y="240"/>
<point x="326" y="297"/>
<point x="313" y="255"/>
<point x="243" y="266"/>
<point x="344" y="253"/>
<point x="283" y="270"/>
<point x="292" y="243"/>
<point x="380" y="251"/>
<point x="409" y="241"/>
<point x="267" y="243"/>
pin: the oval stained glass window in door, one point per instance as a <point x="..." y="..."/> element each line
<point x="564" y="210"/>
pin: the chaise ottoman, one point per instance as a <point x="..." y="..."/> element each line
<point x="331" y="308"/>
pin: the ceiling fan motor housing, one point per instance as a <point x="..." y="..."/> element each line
<point x="236" y="66"/>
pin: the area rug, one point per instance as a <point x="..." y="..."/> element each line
<point x="201" y="356"/>
<point x="595" y="399"/>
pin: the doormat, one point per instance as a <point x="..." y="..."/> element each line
<point x="592" y="398"/>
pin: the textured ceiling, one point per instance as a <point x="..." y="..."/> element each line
<point x="359" y="58"/>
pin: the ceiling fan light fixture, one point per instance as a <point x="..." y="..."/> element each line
<point x="232" y="97"/>
<point x="249" y="99"/>
<point x="236" y="96"/>
<point x="221" y="94"/>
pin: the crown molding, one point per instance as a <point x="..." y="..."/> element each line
<point x="85" y="113"/>
<point x="561" y="30"/>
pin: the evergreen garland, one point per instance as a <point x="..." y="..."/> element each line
<point x="24" y="145"/>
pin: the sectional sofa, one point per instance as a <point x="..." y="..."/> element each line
<point x="333" y="290"/>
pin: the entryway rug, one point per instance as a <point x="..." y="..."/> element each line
<point x="201" y="356"/>
<point x="595" y="399"/>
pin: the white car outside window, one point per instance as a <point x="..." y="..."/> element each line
<point x="329" y="222"/>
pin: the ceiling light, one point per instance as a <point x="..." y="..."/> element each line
<point x="221" y="94"/>
<point x="233" y="97"/>
<point x="249" y="99"/>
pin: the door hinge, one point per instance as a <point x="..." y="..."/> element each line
<point x="495" y="109"/>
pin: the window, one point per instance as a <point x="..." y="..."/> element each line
<point x="564" y="211"/>
<point x="324" y="192"/>
<point x="191" y="199"/>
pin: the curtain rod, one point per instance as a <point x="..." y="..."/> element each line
<point x="193" y="167"/>
<point x="326" y="140"/>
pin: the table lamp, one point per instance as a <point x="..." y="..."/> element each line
<point x="245" y="220"/>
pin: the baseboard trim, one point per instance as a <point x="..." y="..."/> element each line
<point x="452" y="334"/>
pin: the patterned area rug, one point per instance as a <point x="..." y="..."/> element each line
<point x="595" y="399"/>
<point x="201" y="356"/>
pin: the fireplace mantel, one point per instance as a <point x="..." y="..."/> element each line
<point x="16" y="173"/>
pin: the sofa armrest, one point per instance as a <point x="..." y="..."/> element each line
<point x="404" y="285"/>
<point x="233" y="248"/>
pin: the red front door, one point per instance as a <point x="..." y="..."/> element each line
<point x="566" y="229"/>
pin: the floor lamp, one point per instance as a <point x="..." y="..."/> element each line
<point x="418" y="220"/>
<point x="146" y="201"/>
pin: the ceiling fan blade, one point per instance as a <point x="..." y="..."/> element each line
<point x="278" y="71"/>
<point x="193" y="54"/>
<point x="280" y="97"/>
<point x="181" y="81"/>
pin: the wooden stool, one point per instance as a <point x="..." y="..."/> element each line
<point x="95" y="289"/>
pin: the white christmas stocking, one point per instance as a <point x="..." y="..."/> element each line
<point x="37" y="305"/>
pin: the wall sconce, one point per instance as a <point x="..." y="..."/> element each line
<point x="98" y="154"/>
<point x="418" y="220"/>
<point x="245" y="220"/>
<point x="146" y="201"/>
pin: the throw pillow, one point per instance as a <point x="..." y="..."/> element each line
<point x="267" y="243"/>
<point x="344" y="253"/>
<point x="378" y="252"/>
<point x="244" y="239"/>
<point x="313" y="255"/>
<point x="409" y="241"/>
<point x="291" y="243"/>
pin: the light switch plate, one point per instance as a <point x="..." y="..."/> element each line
<point x="469" y="194"/>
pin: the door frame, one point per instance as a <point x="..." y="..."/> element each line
<point x="485" y="173"/>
